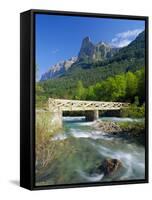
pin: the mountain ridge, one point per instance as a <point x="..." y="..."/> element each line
<point x="130" y="58"/>
<point x="100" y="54"/>
<point x="88" y="53"/>
<point x="58" y="69"/>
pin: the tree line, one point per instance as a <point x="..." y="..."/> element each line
<point x="126" y="87"/>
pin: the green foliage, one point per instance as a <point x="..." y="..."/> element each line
<point x="135" y="50"/>
<point x="41" y="98"/>
<point x="113" y="89"/>
<point x="133" y="111"/>
<point x="128" y="87"/>
<point x="136" y="102"/>
<point x="80" y="91"/>
<point x="90" y="93"/>
<point x="107" y="90"/>
<point x="141" y="84"/>
<point x="65" y="86"/>
<point x="131" y="85"/>
<point x="124" y="87"/>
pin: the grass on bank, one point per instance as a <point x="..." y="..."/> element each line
<point x="45" y="149"/>
<point x="48" y="150"/>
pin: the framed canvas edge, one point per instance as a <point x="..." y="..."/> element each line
<point x="31" y="161"/>
<point x="25" y="115"/>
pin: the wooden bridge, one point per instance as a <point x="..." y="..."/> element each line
<point x="92" y="108"/>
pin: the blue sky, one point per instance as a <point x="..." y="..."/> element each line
<point x="59" y="37"/>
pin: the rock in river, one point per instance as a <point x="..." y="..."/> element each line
<point x="110" y="166"/>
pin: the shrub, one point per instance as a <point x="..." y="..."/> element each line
<point x="133" y="111"/>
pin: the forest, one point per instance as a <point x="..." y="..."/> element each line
<point x="120" y="78"/>
<point x="125" y="87"/>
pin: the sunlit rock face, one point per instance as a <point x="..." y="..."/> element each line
<point x="58" y="69"/>
<point x="90" y="52"/>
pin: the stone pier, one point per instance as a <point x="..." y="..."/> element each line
<point x="57" y="118"/>
<point x="92" y="115"/>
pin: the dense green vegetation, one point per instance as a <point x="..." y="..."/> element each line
<point x="120" y="78"/>
<point x="134" y="111"/>
<point x="135" y="50"/>
<point x="65" y="86"/>
<point x="67" y="89"/>
<point x="125" y="87"/>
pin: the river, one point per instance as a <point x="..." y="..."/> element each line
<point x="87" y="148"/>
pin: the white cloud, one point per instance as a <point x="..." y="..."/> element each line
<point x="124" y="38"/>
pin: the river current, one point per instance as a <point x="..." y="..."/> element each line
<point x="88" y="148"/>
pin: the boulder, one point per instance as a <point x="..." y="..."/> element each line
<point x="110" y="166"/>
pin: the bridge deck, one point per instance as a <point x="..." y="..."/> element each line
<point x="79" y="105"/>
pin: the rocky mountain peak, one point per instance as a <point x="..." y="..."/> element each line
<point x="58" y="69"/>
<point x="96" y="53"/>
<point x="86" y="40"/>
<point x="90" y="52"/>
<point x="102" y="43"/>
<point x="87" y="49"/>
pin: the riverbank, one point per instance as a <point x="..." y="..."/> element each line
<point x="128" y="130"/>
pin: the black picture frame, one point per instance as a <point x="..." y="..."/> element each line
<point x="27" y="98"/>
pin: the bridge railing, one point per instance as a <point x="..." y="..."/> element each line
<point x="81" y="105"/>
